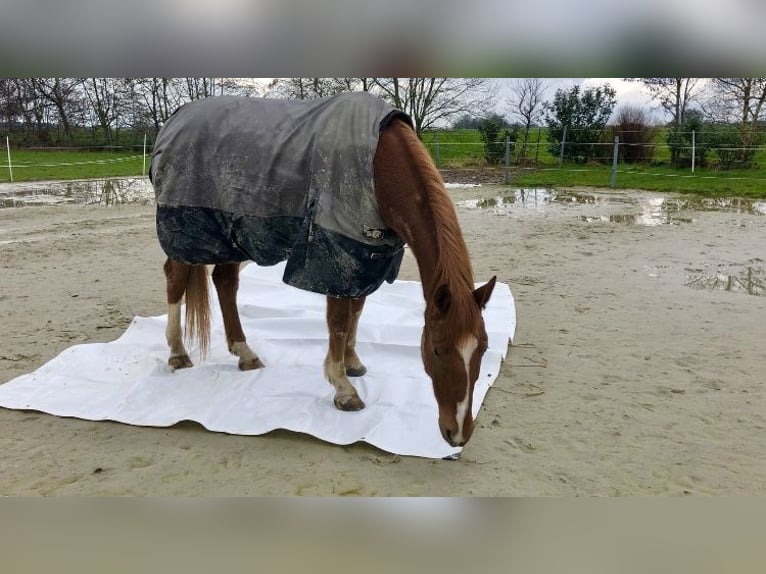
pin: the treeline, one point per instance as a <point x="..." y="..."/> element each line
<point x="715" y="116"/>
<point x="119" y="111"/>
<point x="98" y="111"/>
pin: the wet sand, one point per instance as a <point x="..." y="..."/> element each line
<point x="637" y="367"/>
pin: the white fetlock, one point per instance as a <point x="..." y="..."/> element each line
<point x="248" y="360"/>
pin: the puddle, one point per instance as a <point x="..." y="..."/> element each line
<point x="512" y="200"/>
<point x="627" y="208"/>
<point x="750" y="280"/>
<point x="725" y="204"/>
<point x="106" y="192"/>
<point x="638" y="219"/>
<point x="643" y="211"/>
<point x="461" y="185"/>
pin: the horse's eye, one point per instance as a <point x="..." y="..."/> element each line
<point x="437" y="352"/>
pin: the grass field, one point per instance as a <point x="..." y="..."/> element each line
<point x="455" y="149"/>
<point x="57" y="165"/>
<point x="742" y="183"/>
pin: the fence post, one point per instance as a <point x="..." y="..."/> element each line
<point x="507" y="160"/>
<point x="614" y="160"/>
<point x="537" y="145"/>
<point x="143" y="169"/>
<point x="563" y="142"/>
<point x="694" y="151"/>
<point x="436" y="149"/>
<point x="8" y="148"/>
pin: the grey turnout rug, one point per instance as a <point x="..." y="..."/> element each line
<point x="266" y="180"/>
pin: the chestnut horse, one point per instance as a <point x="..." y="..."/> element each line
<point x="412" y="202"/>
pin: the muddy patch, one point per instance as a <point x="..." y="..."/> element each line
<point x="104" y="192"/>
<point x="639" y="209"/>
<point x="626" y="208"/>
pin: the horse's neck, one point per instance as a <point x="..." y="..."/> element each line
<point x="422" y="234"/>
<point x="413" y="203"/>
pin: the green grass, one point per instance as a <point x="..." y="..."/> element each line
<point x="455" y="147"/>
<point x="65" y="165"/>
<point x="711" y="183"/>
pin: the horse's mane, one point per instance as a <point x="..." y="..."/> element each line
<point x="452" y="265"/>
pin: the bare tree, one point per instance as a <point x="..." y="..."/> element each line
<point x="191" y="89"/>
<point x="433" y="101"/>
<point x="236" y="86"/>
<point x="103" y="95"/>
<point x="63" y="94"/>
<point x="675" y="96"/>
<point x="526" y="103"/>
<point x="159" y="97"/>
<point x="10" y="105"/>
<point x="355" y="84"/>
<point x="33" y="108"/>
<point x="312" y="88"/>
<point x="741" y="100"/>
<point x="197" y="88"/>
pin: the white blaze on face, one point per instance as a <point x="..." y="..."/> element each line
<point x="466" y="351"/>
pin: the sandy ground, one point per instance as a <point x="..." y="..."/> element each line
<point x="623" y="379"/>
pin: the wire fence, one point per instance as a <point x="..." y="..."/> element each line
<point x="28" y="164"/>
<point x="18" y="162"/>
<point x="446" y="146"/>
<point x="598" y="177"/>
<point x="463" y="150"/>
<point x="724" y="157"/>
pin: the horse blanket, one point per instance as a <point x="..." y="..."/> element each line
<point x="266" y="180"/>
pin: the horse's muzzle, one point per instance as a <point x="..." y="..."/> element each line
<point x="452" y="439"/>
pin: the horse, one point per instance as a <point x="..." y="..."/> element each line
<point x="217" y="139"/>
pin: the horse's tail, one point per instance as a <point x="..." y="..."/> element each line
<point x="198" y="308"/>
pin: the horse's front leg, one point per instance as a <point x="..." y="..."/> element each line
<point x="226" y="280"/>
<point x="339" y="321"/>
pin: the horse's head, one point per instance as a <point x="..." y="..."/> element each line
<point x="453" y="344"/>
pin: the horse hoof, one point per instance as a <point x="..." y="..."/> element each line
<point x="250" y="364"/>
<point x="180" y="362"/>
<point x="349" y="403"/>
<point x="356" y="371"/>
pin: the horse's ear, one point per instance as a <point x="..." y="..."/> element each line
<point x="442" y="299"/>
<point x="483" y="293"/>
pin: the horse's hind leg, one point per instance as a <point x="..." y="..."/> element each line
<point x="339" y="321"/>
<point x="226" y="280"/>
<point x="176" y="275"/>
<point x="354" y="366"/>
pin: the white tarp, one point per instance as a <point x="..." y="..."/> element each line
<point x="128" y="380"/>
